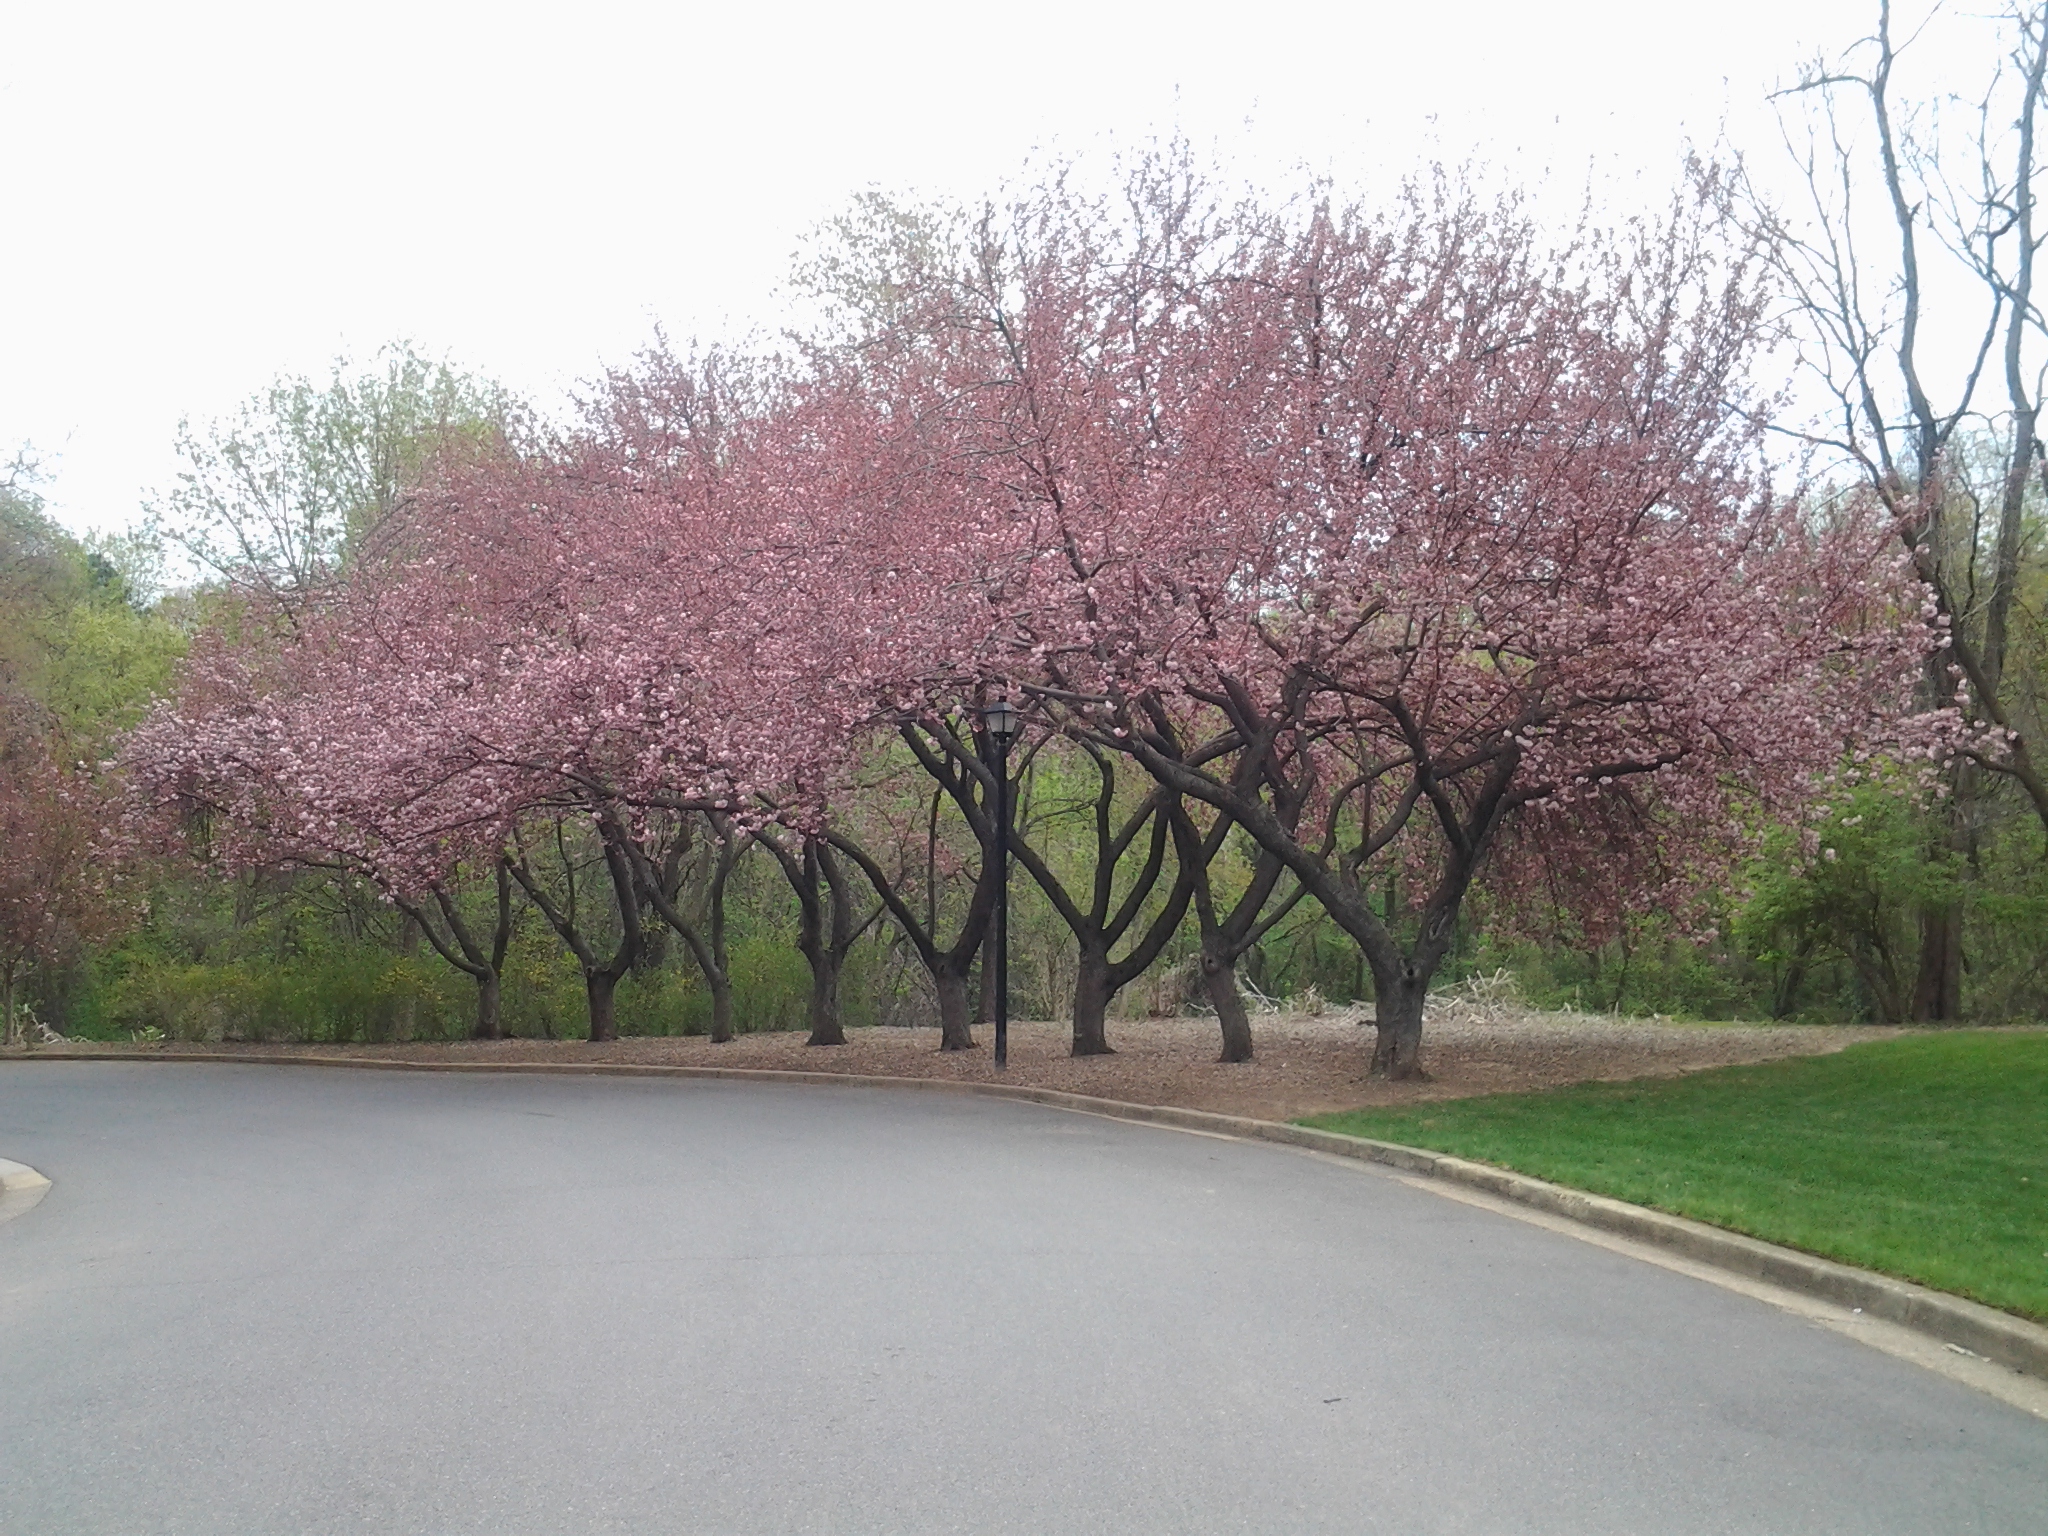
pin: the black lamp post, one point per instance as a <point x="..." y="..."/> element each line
<point x="1002" y="723"/>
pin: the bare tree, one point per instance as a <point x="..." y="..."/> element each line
<point x="1908" y="267"/>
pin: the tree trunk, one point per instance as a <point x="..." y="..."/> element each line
<point x="488" y="1024"/>
<point x="1787" y="990"/>
<point x="949" y="968"/>
<point x="1397" y="1014"/>
<point x="1093" y="989"/>
<point x="985" y="981"/>
<point x="1219" y="980"/>
<point x="601" y="986"/>
<point x="955" y="1029"/>
<point x="1938" y="990"/>
<point x="720" y="984"/>
<point x="1938" y="986"/>
<point x="825" y="928"/>
<point x="461" y="949"/>
<point x="405" y="1017"/>
<point x="826" y="1026"/>
<point x="9" y="1034"/>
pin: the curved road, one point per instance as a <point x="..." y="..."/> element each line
<point x="284" y="1300"/>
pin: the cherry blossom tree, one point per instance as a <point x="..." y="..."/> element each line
<point x="1407" y="544"/>
<point x="1454" y="532"/>
<point x="260" y="762"/>
<point x="574" y="635"/>
<point x="519" y="643"/>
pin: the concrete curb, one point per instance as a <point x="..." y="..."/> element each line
<point x="21" y="1188"/>
<point x="20" y="1179"/>
<point x="1981" y="1330"/>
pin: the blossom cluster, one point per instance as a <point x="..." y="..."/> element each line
<point x="1466" y="537"/>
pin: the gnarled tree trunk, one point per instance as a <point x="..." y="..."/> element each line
<point x="1229" y="935"/>
<point x="661" y="886"/>
<point x="1397" y="1015"/>
<point x="955" y="1019"/>
<point x="489" y="1024"/>
<point x="827" y="1027"/>
<point x="720" y="986"/>
<point x="463" y="950"/>
<point x="1094" y="986"/>
<point x="601" y="988"/>
<point x="826" y="930"/>
<point x="1938" y="986"/>
<point x="600" y="976"/>
<point x="948" y="968"/>
<point x="1219" y="982"/>
<point x="1401" y="971"/>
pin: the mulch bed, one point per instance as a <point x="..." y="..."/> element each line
<point x="1305" y="1064"/>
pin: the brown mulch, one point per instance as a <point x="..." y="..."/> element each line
<point x="1305" y="1064"/>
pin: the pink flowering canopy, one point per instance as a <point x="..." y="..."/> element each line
<point x="1472" y="536"/>
<point x="1407" y="540"/>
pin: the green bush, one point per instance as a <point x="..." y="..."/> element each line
<point x="771" y="986"/>
<point x="662" y="1001"/>
<point x="360" y="995"/>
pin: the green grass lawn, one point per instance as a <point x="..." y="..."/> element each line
<point x="1924" y="1157"/>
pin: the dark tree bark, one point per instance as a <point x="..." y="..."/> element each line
<point x="1219" y="981"/>
<point x="956" y="1011"/>
<point x="1104" y="922"/>
<point x="661" y="887"/>
<point x="1093" y="993"/>
<point x="601" y="988"/>
<point x="490" y="1024"/>
<point x="1334" y="868"/>
<point x="1227" y="936"/>
<point x="826" y="929"/>
<point x="1938" y="987"/>
<point x="462" y="948"/>
<point x="601" y="975"/>
<point x="1398" y="1002"/>
<point x="1786" y="992"/>
<point x="950" y="966"/>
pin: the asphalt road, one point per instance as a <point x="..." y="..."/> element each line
<point x="284" y="1300"/>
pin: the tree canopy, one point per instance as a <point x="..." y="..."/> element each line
<point x="1399" y="539"/>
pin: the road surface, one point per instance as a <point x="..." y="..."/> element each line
<point x="290" y="1300"/>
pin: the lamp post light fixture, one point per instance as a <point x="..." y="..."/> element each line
<point x="1002" y="722"/>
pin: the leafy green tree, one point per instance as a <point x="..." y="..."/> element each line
<point x="80" y="658"/>
<point x="1852" y="886"/>
<point x="282" y="494"/>
<point x="78" y="637"/>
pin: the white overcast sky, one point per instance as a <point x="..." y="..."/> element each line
<point x="200" y="197"/>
